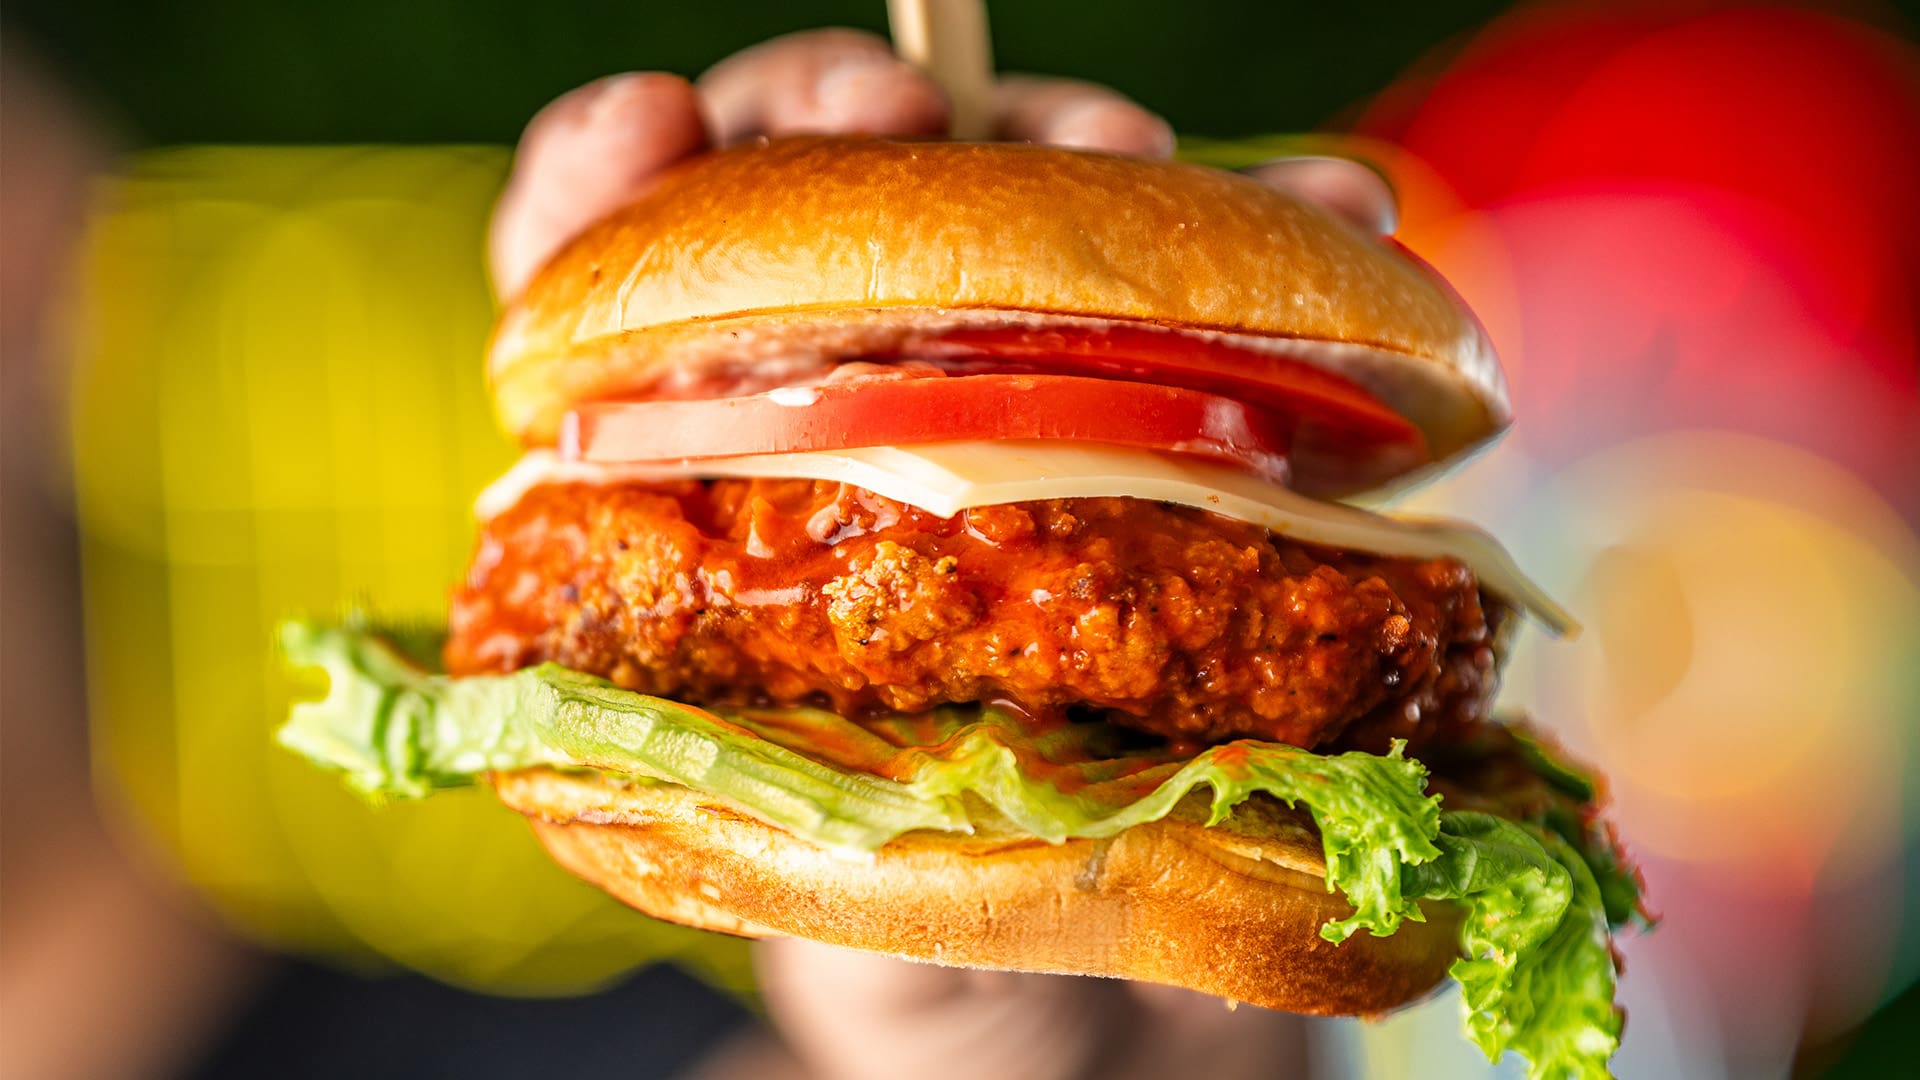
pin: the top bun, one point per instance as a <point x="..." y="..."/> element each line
<point x="746" y="268"/>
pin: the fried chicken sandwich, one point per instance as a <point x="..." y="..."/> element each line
<point x="935" y="549"/>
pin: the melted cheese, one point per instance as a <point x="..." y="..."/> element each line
<point x="946" y="478"/>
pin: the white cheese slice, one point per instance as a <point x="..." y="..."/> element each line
<point x="946" y="478"/>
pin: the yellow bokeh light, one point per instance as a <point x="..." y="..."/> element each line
<point x="1753" y="619"/>
<point x="279" y="410"/>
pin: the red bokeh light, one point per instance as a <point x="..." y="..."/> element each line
<point x="1692" y="229"/>
<point x="1708" y="213"/>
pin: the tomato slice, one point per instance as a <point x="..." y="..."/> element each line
<point x="1341" y="438"/>
<point x="908" y="406"/>
<point x="1290" y="386"/>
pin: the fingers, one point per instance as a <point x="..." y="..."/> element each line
<point x="845" y="80"/>
<point x="587" y="153"/>
<point x="1065" y="112"/>
<point x="598" y="147"/>
<point x="1348" y="189"/>
<point x="819" y="81"/>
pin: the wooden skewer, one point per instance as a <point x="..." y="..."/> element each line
<point x="948" y="40"/>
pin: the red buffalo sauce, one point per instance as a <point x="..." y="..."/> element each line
<point x="1167" y="619"/>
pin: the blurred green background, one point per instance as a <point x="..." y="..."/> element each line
<point x="476" y="70"/>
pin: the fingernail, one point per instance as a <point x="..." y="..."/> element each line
<point x="881" y="97"/>
<point x="1114" y="126"/>
<point x="1343" y="186"/>
<point x="613" y="100"/>
<point x="608" y="96"/>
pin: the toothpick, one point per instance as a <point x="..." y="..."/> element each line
<point x="948" y="40"/>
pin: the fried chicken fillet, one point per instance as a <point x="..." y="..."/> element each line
<point x="1168" y="619"/>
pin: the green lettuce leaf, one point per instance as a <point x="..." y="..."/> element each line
<point x="396" y="729"/>
<point x="1618" y="881"/>
<point x="1536" y="971"/>
<point x="1537" y="977"/>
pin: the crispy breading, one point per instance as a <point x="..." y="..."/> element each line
<point x="1175" y="620"/>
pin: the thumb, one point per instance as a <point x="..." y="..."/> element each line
<point x="857" y="1016"/>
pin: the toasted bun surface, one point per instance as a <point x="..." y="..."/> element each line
<point x="1233" y="910"/>
<point x="756" y="265"/>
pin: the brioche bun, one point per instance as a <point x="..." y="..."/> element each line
<point x="756" y="265"/>
<point x="1233" y="910"/>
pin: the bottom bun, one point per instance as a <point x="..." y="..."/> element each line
<point x="1234" y="911"/>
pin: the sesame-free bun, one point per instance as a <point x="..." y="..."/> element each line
<point x="745" y="268"/>
<point x="1233" y="910"/>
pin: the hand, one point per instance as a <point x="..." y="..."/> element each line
<point x="847" y="1014"/>
<point x="599" y="147"/>
<point x="853" y="1016"/>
